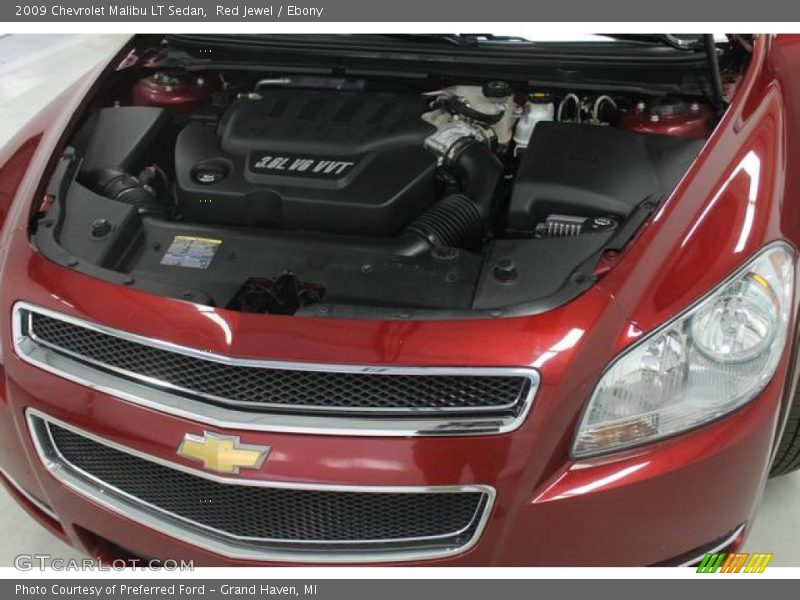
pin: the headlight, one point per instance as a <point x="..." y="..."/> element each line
<point x="705" y="363"/>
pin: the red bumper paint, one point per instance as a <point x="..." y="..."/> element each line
<point x="642" y="507"/>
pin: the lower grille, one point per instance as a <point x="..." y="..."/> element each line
<point x="255" y="519"/>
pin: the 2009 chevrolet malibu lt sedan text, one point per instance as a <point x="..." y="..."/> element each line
<point x="431" y="299"/>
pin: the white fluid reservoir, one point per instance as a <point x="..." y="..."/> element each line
<point x="538" y="107"/>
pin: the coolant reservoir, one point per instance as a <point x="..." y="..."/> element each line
<point x="538" y="107"/>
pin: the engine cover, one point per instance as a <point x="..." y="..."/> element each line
<point x="328" y="161"/>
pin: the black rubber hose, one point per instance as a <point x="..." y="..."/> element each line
<point x="717" y="93"/>
<point x="453" y="221"/>
<point x="480" y="173"/>
<point x="118" y="185"/>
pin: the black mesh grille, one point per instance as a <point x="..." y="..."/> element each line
<point x="272" y="514"/>
<point x="285" y="388"/>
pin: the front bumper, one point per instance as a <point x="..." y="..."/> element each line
<point x="646" y="506"/>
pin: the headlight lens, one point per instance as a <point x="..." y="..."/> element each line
<point x="709" y="361"/>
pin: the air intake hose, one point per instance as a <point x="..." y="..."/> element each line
<point x="453" y="221"/>
<point x="118" y="185"/>
<point x="461" y="220"/>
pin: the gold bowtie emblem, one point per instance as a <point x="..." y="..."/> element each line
<point x="222" y="453"/>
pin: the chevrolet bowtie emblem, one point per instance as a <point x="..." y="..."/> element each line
<point x="222" y="453"/>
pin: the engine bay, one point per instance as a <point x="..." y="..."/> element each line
<point x="301" y="194"/>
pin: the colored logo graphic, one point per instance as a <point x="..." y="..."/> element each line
<point x="222" y="453"/>
<point x="734" y="562"/>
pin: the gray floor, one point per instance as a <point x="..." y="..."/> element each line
<point x="35" y="68"/>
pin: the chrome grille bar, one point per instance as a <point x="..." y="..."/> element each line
<point x="454" y="400"/>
